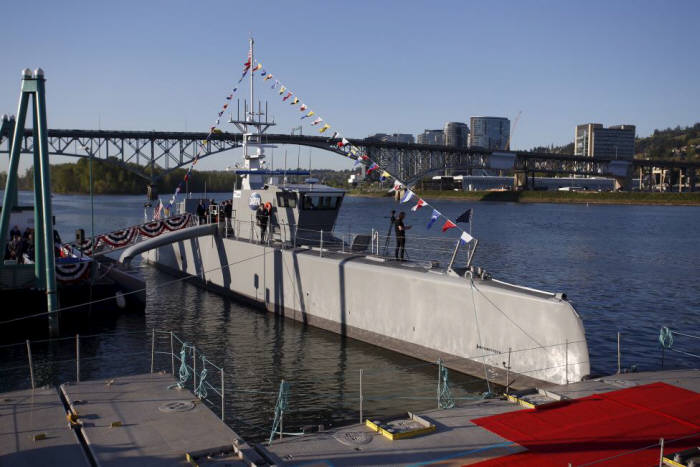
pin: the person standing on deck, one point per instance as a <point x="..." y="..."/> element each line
<point x="262" y="215"/>
<point x="228" y="210"/>
<point x="400" y="230"/>
<point x="201" y="212"/>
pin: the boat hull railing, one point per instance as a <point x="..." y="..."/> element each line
<point x="427" y="250"/>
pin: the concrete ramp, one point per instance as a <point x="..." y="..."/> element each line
<point x="166" y="239"/>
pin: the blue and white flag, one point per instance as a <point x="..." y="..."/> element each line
<point x="433" y="217"/>
<point x="407" y="196"/>
<point x="465" y="238"/>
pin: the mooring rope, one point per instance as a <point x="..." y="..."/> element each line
<point x="666" y="338"/>
<point x="184" y="371"/>
<point x="280" y="407"/>
<point x="445" y="399"/>
<point x="201" y="390"/>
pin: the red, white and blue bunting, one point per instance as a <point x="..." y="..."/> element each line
<point x="123" y="237"/>
<point x="119" y="238"/>
<point x="177" y="222"/>
<point x="353" y="152"/>
<point x="72" y="269"/>
<point x="152" y="229"/>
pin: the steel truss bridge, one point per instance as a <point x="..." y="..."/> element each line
<point x="153" y="154"/>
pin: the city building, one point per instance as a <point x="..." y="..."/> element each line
<point x="393" y="138"/>
<point x="456" y="134"/>
<point x="432" y="137"/>
<point x="491" y="133"/>
<point x="614" y="142"/>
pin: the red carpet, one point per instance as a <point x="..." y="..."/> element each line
<point x="600" y="426"/>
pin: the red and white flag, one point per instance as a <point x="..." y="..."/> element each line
<point x="418" y="205"/>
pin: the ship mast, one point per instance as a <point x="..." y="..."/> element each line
<point x="252" y="131"/>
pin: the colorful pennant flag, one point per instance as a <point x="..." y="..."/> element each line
<point x="372" y="168"/>
<point x="303" y="107"/>
<point x="295" y="101"/>
<point x="465" y="238"/>
<point x="287" y="96"/>
<point x="397" y="185"/>
<point x="407" y="196"/>
<point x="433" y="218"/>
<point x="418" y="205"/>
<point x="384" y="176"/>
<point x="324" y="128"/>
<point x="269" y="76"/>
<point x="229" y="97"/>
<point x="317" y="121"/>
<point x="307" y="115"/>
<point x="343" y="142"/>
<point x="282" y="89"/>
<point x="263" y="73"/>
<point x="335" y="135"/>
<point x="448" y="225"/>
<point x="257" y="67"/>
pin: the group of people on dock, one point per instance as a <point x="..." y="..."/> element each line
<point x="20" y="245"/>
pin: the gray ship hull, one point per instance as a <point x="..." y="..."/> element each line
<point x="414" y="310"/>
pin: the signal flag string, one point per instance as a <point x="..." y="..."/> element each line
<point x="353" y="152"/>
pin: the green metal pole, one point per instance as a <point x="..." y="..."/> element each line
<point x="50" y="260"/>
<point x="15" y="147"/>
<point x="38" y="225"/>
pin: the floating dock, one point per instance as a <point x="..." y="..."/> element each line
<point x="34" y="430"/>
<point x="134" y="420"/>
<point x="144" y="420"/>
<point x="637" y="410"/>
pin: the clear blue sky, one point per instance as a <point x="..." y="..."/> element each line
<point x="364" y="66"/>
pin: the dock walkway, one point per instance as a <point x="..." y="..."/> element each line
<point x="457" y="440"/>
<point x="38" y="413"/>
<point x="138" y="420"/>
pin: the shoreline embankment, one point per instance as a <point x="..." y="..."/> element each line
<point x="568" y="197"/>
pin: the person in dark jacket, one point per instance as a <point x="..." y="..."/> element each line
<point x="228" y="210"/>
<point x="262" y="215"/>
<point x="201" y="212"/>
<point x="400" y="230"/>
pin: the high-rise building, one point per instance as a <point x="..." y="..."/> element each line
<point x="491" y="133"/>
<point x="456" y="134"/>
<point x="393" y="138"/>
<point x="614" y="142"/>
<point x="432" y="137"/>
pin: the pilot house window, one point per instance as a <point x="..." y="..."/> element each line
<point x="318" y="202"/>
<point x="286" y="200"/>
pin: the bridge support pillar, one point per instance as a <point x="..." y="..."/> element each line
<point x="692" y="179"/>
<point x="623" y="183"/>
<point x="520" y="181"/>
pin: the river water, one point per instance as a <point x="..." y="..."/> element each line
<point x="630" y="269"/>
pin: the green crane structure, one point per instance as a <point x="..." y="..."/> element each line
<point x="33" y="91"/>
